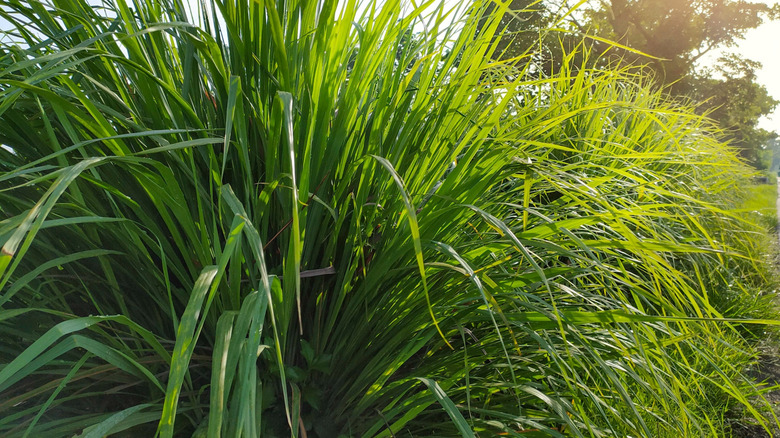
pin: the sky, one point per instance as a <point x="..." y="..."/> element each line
<point x="763" y="45"/>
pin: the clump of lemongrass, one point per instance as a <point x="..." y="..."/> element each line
<point x="290" y="218"/>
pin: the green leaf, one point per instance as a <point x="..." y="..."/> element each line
<point x="449" y="407"/>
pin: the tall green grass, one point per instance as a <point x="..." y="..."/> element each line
<point x="303" y="218"/>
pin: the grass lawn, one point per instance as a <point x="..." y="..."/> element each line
<point x="762" y="199"/>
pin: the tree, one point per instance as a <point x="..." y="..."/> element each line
<point x="674" y="33"/>
<point x="733" y="97"/>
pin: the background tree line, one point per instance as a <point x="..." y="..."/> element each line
<point x="667" y="38"/>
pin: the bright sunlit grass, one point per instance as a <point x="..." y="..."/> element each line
<point x="761" y="200"/>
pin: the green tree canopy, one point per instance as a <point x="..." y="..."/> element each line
<point x="730" y="94"/>
<point x="676" y="34"/>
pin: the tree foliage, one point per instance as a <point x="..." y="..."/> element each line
<point x="731" y="95"/>
<point x="674" y="33"/>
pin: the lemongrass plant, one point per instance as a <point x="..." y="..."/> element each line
<point x="321" y="219"/>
